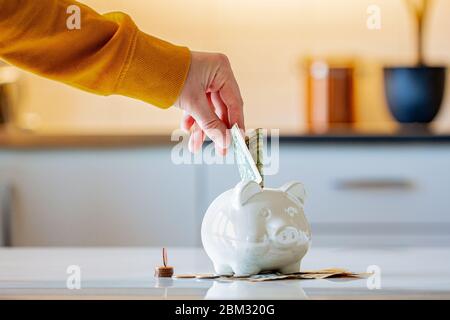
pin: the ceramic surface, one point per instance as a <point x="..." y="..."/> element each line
<point x="248" y="229"/>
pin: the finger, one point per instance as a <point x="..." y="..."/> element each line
<point x="187" y="121"/>
<point x="220" y="107"/>
<point x="231" y="96"/>
<point x="196" y="139"/>
<point x="209" y="122"/>
<point x="222" y="113"/>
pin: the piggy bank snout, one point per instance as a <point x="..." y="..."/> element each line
<point x="286" y="236"/>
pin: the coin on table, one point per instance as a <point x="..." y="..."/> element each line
<point x="164" y="271"/>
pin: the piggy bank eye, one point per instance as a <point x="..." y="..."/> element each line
<point x="266" y="213"/>
<point x="291" y="211"/>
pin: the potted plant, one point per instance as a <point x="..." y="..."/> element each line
<point x="414" y="94"/>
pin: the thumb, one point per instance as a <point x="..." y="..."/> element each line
<point x="209" y="122"/>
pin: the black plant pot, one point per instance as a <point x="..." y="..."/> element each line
<point x="414" y="94"/>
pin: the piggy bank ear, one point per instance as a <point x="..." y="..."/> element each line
<point x="243" y="191"/>
<point x="296" y="190"/>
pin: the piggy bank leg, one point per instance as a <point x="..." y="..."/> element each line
<point x="243" y="270"/>
<point x="223" y="269"/>
<point x="291" y="268"/>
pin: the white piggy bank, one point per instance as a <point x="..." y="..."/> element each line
<point x="248" y="229"/>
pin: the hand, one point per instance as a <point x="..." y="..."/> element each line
<point x="211" y="101"/>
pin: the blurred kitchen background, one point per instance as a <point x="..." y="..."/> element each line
<point x="78" y="169"/>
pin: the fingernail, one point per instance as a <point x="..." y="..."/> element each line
<point x="190" y="147"/>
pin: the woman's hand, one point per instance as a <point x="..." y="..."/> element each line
<point x="211" y="101"/>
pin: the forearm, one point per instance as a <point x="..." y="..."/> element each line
<point x="107" y="55"/>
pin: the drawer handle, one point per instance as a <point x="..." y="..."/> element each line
<point x="374" y="184"/>
<point x="5" y="215"/>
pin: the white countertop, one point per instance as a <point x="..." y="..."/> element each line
<point x="406" y="273"/>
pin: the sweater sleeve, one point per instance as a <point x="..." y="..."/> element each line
<point x="107" y="55"/>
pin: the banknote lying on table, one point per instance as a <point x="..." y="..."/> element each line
<point x="302" y="275"/>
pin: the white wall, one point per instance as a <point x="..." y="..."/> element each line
<point x="266" y="41"/>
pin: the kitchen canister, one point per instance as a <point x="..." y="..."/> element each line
<point x="249" y="229"/>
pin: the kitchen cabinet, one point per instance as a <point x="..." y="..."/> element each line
<point x="360" y="183"/>
<point x="394" y="192"/>
<point x="101" y="197"/>
<point x="384" y="183"/>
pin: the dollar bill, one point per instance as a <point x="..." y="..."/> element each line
<point x="303" y="275"/>
<point x="246" y="165"/>
<point x="273" y="276"/>
<point x="255" y="143"/>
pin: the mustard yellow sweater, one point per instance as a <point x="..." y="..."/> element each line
<point x="107" y="55"/>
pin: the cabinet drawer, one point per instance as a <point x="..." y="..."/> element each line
<point x="385" y="183"/>
<point x="103" y="198"/>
